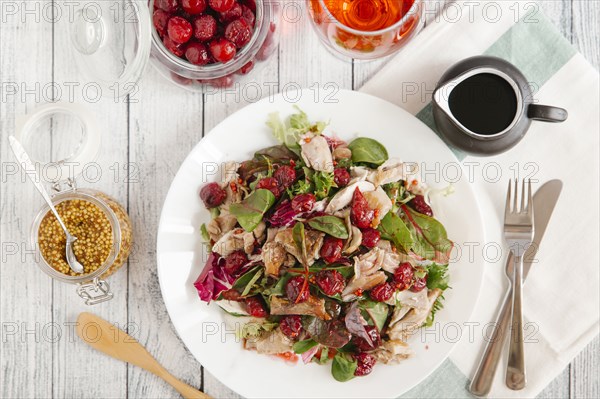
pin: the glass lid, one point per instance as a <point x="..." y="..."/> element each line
<point x="111" y="42"/>
<point x="61" y="139"/>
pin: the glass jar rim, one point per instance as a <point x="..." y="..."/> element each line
<point x="85" y="195"/>
<point x="411" y="12"/>
<point x="217" y="70"/>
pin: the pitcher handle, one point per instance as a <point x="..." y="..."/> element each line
<point x="546" y="113"/>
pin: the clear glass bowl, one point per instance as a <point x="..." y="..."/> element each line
<point x="91" y="286"/>
<point x="262" y="45"/>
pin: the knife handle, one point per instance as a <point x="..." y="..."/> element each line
<point x="484" y="376"/>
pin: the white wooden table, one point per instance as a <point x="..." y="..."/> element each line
<point x="150" y="134"/>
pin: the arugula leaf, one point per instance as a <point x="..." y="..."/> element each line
<point x="377" y="311"/>
<point x="430" y="237"/>
<point x="437" y="276"/>
<point x="302" y="346"/>
<point x="246" y="280"/>
<point x="323" y="182"/>
<point x="343" y="367"/>
<point x="250" y="211"/>
<point x="204" y="232"/>
<point x="392" y="228"/>
<point x="368" y="151"/>
<point x="331" y="225"/>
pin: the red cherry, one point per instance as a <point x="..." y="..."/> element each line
<point x="419" y="284"/>
<point x="285" y="175"/>
<point x="160" y="18"/>
<point x="271" y="184"/>
<point x="222" y="50"/>
<point x="366" y="362"/>
<point x="370" y="237"/>
<point x="248" y="15"/>
<point x="179" y="29"/>
<point x="403" y="276"/>
<point x="212" y="195"/>
<point x="291" y="326"/>
<point x="197" y="54"/>
<point x="331" y="250"/>
<point x="234" y="13"/>
<point x="238" y="32"/>
<point x="303" y="202"/>
<point x="205" y="27"/>
<point x="382" y="292"/>
<point x="293" y="290"/>
<point x="255" y="307"/>
<point x="360" y="213"/>
<point x="418" y="204"/>
<point x="331" y="282"/>
<point x="167" y="5"/>
<point x="173" y="47"/>
<point x="193" y="7"/>
<point x="235" y="261"/>
<point x="221" y="5"/>
<point x="363" y="345"/>
<point x="341" y="177"/>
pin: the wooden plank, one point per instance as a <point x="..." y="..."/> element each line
<point x="586" y="29"/>
<point x="585" y="369"/>
<point x="163" y="129"/>
<point x="26" y="356"/>
<point x="108" y="173"/>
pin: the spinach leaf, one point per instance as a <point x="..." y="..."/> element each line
<point x="250" y="211"/>
<point x="245" y="282"/>
<point x="377" y="312"/>
<point x="392" y="228"/>
<point x="276" y="153"/>
<point x="437" y="276"/>
<point x="331" y="225"/>
<point x="343" y="367"/>
<point x="430" y="238"/>
<point x="302" y="346"/>
<point x="368" y="151"/>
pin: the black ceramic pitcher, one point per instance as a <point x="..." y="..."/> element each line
<point x="484" y="106"/>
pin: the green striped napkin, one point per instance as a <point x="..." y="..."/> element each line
<point x="561" y="301"/>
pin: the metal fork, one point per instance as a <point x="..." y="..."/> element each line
<point x="518" y="233"/>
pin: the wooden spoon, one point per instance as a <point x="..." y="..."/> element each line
<point x="103" y="336"/>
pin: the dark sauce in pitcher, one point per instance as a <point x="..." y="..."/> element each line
<point x="484" y="103"/>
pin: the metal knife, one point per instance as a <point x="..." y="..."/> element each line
<point x="544" y="202"/>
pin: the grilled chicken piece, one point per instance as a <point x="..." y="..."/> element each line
<point x="367" y="273"/>
<point x="342" y="153"/>
<point x="395" y="258"/>
<point x="393" y="351"/>
<point x="414" y="319"/>
<point x="235" y="240"/>
<point x="390" y="171"/>
<point x="343" y="198"/>
<point x="354" y="241"/>
<point x="380" y="202"/>
<point x="271" y="343"/>
<point x="273" y="256"/>
<point x="359" y="173"/>
<point x="221" y="225"/>
<point x="363" y="283"/>
<point x="314" y="241"/>
<point x="312" y="307"/>
<point x="315" y="152"/>
<point x="409" y="299"/>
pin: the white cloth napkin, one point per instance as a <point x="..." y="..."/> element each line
<point x="561" y="296"/>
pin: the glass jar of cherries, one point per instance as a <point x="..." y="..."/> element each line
<point x="212" y="42"/>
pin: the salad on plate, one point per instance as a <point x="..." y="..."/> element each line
<point x="324" y="249"/>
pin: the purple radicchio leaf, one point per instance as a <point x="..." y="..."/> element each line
<point x="213" y="280"/>
<point x="355" y="323"/>
<point x="284" y="215"/>
<point x="309" y="354"/>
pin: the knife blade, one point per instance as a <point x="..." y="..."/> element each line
<point x="544" y="201"/>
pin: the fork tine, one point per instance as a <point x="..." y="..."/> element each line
<point x="522" y="197"/>
<point x="508" y="193"/>
<point x="515" y="209"/>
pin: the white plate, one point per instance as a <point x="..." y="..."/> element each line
<point x="181" y="256"/>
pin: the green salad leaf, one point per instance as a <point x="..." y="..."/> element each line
<point x="430" y="238"/>
<point x="204" y="233"/>
<point x="300" y="241"/>
<point x="392" y="228"/>
<point x="245" y="282"/>
<point x="323" y="182"/>
<point x="303" y="346"/>
<point x="376" y="311"/>
<point x="250" y="211"/>
<point x="297" y="124"/>
<point x="332" y="225"/>
<point x="437" y="276"/>
<point x="343" y="367"/>
<point x="368" y="151"/>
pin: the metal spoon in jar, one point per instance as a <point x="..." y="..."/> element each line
<point x="29" y="169"/>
